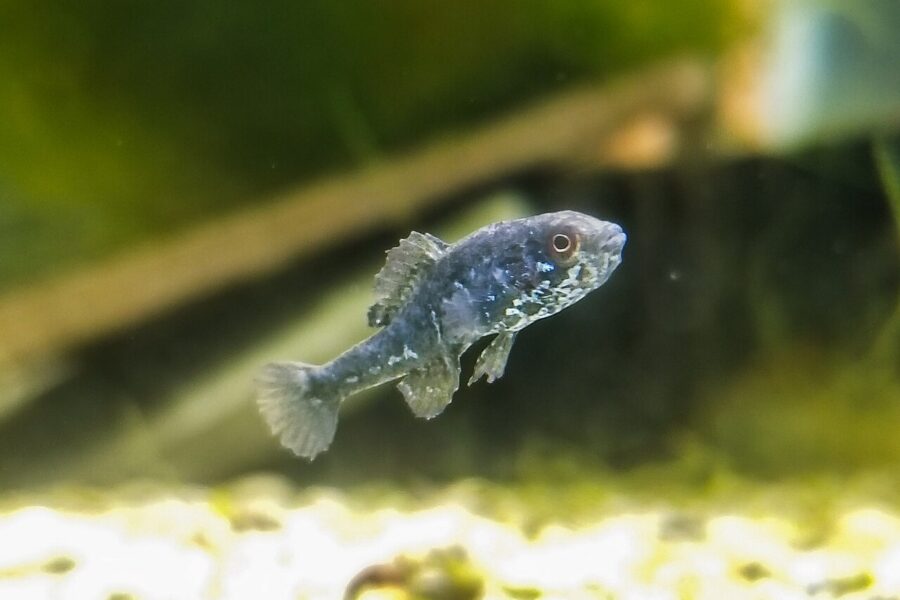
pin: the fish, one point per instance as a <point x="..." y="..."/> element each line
<point x="433" y="300"/>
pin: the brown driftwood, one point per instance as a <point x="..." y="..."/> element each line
<point x="48" y="318"/>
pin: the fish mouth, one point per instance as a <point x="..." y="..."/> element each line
<point x="615" y="240"/>
<point x="611" y="248"/>
<point x="617" y="243"/>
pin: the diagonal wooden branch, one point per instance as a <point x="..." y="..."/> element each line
<point x="48" y="318"/>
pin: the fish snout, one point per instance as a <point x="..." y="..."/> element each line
<point x="611" y="241"/>
<point x="615" y="239"/>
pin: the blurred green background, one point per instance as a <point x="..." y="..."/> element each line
<point x="754" y="324"/>
<point x="124" y="121"/>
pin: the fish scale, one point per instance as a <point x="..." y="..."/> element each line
<point x="433" y="300"/>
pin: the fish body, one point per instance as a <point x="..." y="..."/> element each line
<point x="433" y="301"/>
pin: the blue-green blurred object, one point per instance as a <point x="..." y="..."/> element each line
<point x="833" y="69"/>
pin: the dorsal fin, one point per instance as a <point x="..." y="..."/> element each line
<point x="405" y="265"/>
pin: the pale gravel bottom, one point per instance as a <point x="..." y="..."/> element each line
<point x="204" y="545"/>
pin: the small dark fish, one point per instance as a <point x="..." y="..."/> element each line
<point x="433" y="301"/>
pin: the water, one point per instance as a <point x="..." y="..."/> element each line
<point x="717" y="421"/>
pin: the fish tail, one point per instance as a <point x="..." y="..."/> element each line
<point x="298" y="412"/>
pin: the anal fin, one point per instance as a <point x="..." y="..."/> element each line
<point x="429" y="389"/>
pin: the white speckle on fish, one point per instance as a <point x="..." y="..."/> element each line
<point x="433" y="301"/>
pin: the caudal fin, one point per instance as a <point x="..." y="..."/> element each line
<point x="303" y="422"/>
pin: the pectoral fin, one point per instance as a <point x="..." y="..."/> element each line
<point x="492" y="361"/>
<point x="429" y="389"/>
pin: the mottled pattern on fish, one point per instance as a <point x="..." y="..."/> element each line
<point x="433" y="301"/>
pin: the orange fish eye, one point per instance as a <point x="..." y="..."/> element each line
<point x="561" y="243"/>
<point x="564" y="246"/>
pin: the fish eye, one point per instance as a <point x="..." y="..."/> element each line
<point x="561" y="242"/>
<point x="564" y="246"/>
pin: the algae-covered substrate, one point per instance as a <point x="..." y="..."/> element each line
<point x="679" y="531"/>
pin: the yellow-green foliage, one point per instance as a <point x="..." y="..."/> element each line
<point x="797" y="411"/>
<point x="127" y="120"/>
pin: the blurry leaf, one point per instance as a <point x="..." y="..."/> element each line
<point x="119" y="122"/>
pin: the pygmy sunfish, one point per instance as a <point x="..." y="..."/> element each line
<point x="433" y="301"/>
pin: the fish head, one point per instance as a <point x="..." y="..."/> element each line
<point x="583" y="247"/>
<point x="572" y="254"/>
